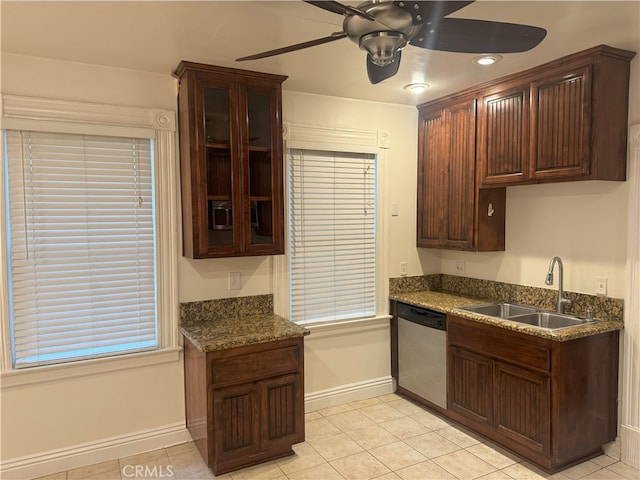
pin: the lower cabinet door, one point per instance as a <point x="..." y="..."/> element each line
<point x="470" y="385"/>
<point x="282" y="412"/>
<point x="522" y="406"/>
<point x="236" y="424"/>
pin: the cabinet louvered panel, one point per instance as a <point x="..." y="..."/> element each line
<point x="522" y="405"/>
<point x="238" y="424"/>
<point x="471" y="392"/>
<point x="280" y="405"/>
<point x="504" y="140"/>
<point x="430" y="174"/>
<point x="562" y="129"/>
<point x="461" y="148"/>
<point x="282" y="410"/>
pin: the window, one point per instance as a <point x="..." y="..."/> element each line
<point x="332" y="230"/>
<point x="81" y="246"/>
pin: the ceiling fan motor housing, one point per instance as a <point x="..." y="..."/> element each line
<point x="391" y="30"/>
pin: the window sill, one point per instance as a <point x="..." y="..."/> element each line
<point x="338" y="324"/>
<point x="53" y="373"/>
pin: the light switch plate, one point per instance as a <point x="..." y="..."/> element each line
<point x="234" y="281"/>
<point x="601" y="285"/>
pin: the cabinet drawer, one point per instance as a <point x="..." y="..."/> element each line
<point x="499" y="344"/>
<point x="258" y="365"/>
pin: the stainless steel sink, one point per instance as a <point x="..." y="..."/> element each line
<point x="549" y="320"/>
<point x="501" y="310"/>
<point x="526" y="315"/>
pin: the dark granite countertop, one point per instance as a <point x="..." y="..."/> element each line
<point x="215" y="333"/>
<point x="450" y="303"/>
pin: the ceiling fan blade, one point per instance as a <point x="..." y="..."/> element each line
<point x="422" y="12"/>
<point x="377" y="73"/>
<point x="340" y="9"/>
<point x="297" y="46"/>
<point x="478" y="36"/>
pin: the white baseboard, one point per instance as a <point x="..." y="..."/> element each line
<point x="348" y="393"/>
<point x="59" y="460"/>
<point x="630" y="443"/>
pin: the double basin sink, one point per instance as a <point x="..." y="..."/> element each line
<point x="527" y="315"/>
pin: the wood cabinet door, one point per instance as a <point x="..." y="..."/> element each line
<point x="262" y="214"/>
<point x="460" y="177"/>
<point x="522" y="405"/>
<point x="561" y="124"/>
<point x="446" y="183"/>
<point x="431" y="179"/>
<point x="503" y="136"/>
<point x="282" y="415"/>
<point x="470" y="385"/>
<point x="236" y="425"/>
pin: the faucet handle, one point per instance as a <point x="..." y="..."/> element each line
<point x="588" y="316"/>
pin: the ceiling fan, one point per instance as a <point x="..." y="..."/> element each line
<point x="384" y="28"/>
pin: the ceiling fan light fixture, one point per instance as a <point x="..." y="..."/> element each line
<point x="382" y="46"/>
<point x="417" y="87"/>
<point x="487" y="59"/>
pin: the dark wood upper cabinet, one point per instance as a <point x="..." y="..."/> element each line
<point x="452" y="212"/>
<point x="503" y="146"/>
<point x="562" y="121"/>
<point x="231" y="161"/>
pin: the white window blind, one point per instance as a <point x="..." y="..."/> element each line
<point x="81" y="246"/>
<point x="332" y="229"/>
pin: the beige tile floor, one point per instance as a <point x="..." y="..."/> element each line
<point x="382" y="438"/>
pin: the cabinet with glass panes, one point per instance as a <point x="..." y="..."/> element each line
<point x="230" y="125"/>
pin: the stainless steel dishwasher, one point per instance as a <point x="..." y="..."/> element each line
<point x="422" y="353"/>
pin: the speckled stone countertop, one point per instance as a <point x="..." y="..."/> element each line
<point x="224" y="333"/>
<point x="220" y="324"/>
<point x="450" y="304"/>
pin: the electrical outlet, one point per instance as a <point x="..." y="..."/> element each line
<point x="601" y="285"/>
<point x="234" y="280"/>
<point x="460" y="268"/>
<point x="403" y="268"/>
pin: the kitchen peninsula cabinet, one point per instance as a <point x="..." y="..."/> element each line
<point x="245" y="405"/>
<point x="230" y="125"/>
<point x="552" y="402"/>
<point x="452" y="212"/>
<point x="562" y="121"/>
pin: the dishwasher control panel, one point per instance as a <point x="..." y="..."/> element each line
<point x="422" y="316"/>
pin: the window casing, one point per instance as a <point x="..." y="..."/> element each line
<point x="46" y="115"/>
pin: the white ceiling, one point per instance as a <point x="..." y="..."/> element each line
<point x="155" y="35"/>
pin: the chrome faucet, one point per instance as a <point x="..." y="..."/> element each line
<point x="549" y="281"/>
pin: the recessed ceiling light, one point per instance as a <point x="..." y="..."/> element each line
<point x="416" y="87"/>
<point x="487" y="59"/>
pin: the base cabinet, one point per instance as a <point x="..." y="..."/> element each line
<point x="245" y="405"/>
<point x="552" y="402"/>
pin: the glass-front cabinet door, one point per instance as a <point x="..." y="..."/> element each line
<point x="263" y="165"/>
<point x="231" y="161"/>
<point x="218" y="168"/>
